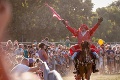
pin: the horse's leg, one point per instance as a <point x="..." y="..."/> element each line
<point x="89" y="71"/>
<point x="82" y="77"/>
<point x="87" y="76"/>
<point x="77" y="77"/>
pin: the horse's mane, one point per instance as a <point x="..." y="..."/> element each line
<point x="85" y="53"/>
<point x="84" y="61"/>
<point x="85" y="45"/>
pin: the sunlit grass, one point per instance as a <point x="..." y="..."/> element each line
<point x="96" y="77"/>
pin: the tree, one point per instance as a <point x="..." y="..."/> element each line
<point x="33" y="20"/>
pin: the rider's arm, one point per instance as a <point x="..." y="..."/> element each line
<point x="72" y="30"/>
<point x="93" y="29"/>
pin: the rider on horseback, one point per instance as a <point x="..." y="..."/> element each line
<point x="82" y="34"/>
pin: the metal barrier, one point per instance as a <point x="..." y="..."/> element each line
<point x="50" y="75"/>
<point x="60" y="42"/>
<point x="54" y="75"/>
<point x="46" y="70"/>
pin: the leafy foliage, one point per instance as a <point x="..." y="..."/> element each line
<point x="33" y="20"/>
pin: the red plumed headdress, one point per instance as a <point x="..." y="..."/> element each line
<point x="85" y="26"/>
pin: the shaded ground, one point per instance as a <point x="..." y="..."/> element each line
<point x="96" y="77"/>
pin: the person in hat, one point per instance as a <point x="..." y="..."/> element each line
<point x="82" y="34"/>
<point x="45" y="41"/>
<point x="67" y="42"/>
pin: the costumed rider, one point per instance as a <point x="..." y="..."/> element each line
<point x="82" y="34"/>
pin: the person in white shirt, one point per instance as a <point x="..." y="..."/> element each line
<point x="19" y="50"/>
<point x="23" y="67"/>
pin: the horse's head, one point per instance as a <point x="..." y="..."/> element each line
<point x="85" y="45"/>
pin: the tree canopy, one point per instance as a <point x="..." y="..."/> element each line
<point x="33" y="20"/>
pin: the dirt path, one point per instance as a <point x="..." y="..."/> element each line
<point x="96" y="77"/>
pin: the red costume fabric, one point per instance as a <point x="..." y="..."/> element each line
<point x="77" y="48"/>
<point x="74" y="48"/>
<point x="94" y="48"/>
<point x="80" y="37"/>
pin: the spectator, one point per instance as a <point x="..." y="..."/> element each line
<point x="110" y="55"/>
<point x="31" y="61"/>
<point x="35" y="42"/>
<point x="42" y="53"/>
<point x="23" y="67"/>
<point x="9" y="46"/>
<point x="25" y="51"/>
<point x="67" y="42"/>
<point x="15" y="44"/>
<point x="30" y="50"/>
<point x="19" y="50"/>
<point x="118" y="50"/>
<point x="32" y="76"/>
<point x="45" y="41"/>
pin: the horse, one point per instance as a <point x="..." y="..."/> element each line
<point x="85" y="61"/>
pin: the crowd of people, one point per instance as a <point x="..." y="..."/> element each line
<point x="20" y="60"/>
<point x="29" y="57"/>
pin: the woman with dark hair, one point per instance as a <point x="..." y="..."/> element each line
<point x="42" y="53"/>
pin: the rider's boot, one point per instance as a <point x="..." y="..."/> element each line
<point x="94" y="57"/>
<point x="76" y="71"/>
<point x="94" y="67"/>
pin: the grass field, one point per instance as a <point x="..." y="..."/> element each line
<point x="96" y="77"/>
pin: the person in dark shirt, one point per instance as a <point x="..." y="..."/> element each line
<point x="110" y="55"/>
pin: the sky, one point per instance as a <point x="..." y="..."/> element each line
<point x="101" y="3"/>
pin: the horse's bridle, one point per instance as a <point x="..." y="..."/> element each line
<point x="86" y="57"/>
